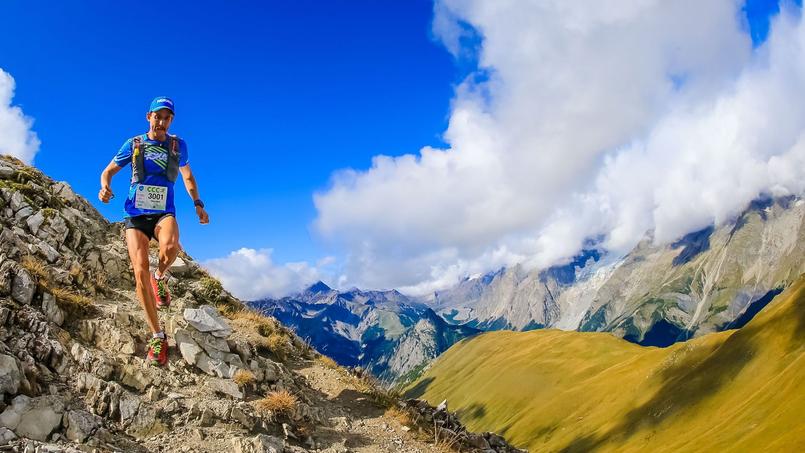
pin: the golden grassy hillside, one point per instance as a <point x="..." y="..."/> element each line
<point x="549" y="390"/>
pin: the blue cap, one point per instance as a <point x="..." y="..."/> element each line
<point x="160" y="103"/>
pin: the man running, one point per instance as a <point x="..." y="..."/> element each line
<point x="156" y="159"/>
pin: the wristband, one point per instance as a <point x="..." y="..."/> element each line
<point x="198" y="203"/>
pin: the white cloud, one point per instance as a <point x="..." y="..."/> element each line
<point x="251" y="274"/>
<point x="584" y="119"/>
<point x="16" y="136"/>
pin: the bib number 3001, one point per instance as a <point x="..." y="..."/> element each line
<point x="152" y="198"/>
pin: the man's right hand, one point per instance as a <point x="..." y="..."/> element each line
<point x="105" y="194"/>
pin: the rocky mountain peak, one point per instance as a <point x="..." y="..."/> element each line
<point x="318" y="288"/>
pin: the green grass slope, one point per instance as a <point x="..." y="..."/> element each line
<point x="549" y="390"/>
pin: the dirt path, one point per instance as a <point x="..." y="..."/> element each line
<point x="357" y="424"/>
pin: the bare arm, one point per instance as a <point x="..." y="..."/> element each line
<point x="190" y="182"/>
<point x="105" y="193"/>
<point x="192" y="190"/>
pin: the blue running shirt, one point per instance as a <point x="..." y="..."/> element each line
<point x="156" y="161"/>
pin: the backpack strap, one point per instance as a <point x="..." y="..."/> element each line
<point x="137" y="160"/>
<point x="172" y="170"/>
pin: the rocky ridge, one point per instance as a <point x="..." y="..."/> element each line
<point x="72" y="342"/>
<point x="709" y="280"/>
<point x="385" y="332"/>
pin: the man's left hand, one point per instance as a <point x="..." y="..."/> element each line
<point x="203" y="217"/>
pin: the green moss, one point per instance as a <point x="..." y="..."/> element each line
<point x="27" y="191"/>
<point x="49" y="213"/>
<point x="31" y="175"/>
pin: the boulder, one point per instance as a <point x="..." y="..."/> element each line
<point x="51" y="309"/>
<point x="210" y="354"/>
<point x="5" y="313"/>
<point x="80" y="425"/>
<point x="34" y="418"/>
<point x="225" y="386"/>
<point x="35" y="221"/>
<point x="495" y="440"/>
<point x="213" y="367"/>
<point x="207" y="319"/>
<point x="10" y="375"/>
<point x="128" y="406"/>
<point x="189" y="349"/>
<point x="23" y="287"/>
<point x="20" y="206"/>
<point x="120" y="341"/>
<point x="261" y="443"/>
<point x="47" y="250"/>
<point x="65" y="192"/>
<point x="213" y="346"/>
<point x="145" y="424"/>
<point x="179" y="267"/>
<point x="477" y="441"/>
<point x="207" y="418"/>
<point x="241" y="414"/>
<point x="134" y="376"/>
<point x="6" y="172"/>
<point x="6" y="436"/>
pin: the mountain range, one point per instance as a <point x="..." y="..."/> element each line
<point x="387" y="333"/>
<point x="710" y="280"/>
<point x="713" y="279"/>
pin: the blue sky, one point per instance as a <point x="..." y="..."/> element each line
<point x="272" y="98"/>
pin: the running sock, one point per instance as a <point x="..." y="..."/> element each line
<point x="160" y="335"/>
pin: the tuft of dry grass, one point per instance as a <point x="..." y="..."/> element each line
<point x="446" y="441"/>
<point x="266" y="329"/>
<point x="75" y="270"/>
<point x="401" y="415"/>
<point x="263" y="331"/>
<point x="279" y="345"/>
<point x="36" y="267"/>
<point x="277" y="403"/>
<point x="252" y="320"/>
<point x="371" y="387"/>
<point x="328" y="362"/>
<point x="228" y="306"/>
<point x="244" y="377"/>
<point x="71" y="301"/>
<point x="211" y="288"/>
<point x="261" y="323"/>
<point x="384" y="397"/>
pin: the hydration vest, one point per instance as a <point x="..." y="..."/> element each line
<point x="138" y="159"/>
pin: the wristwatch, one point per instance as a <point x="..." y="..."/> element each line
<point x="198" y="203"/>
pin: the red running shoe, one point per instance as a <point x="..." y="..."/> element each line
<point x="161" y="292"/>
<point x="158" y="351"/>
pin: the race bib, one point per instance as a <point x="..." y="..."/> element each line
<point x="152" y="198"/>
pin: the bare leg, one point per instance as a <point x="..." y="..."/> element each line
<point x="137" y="243"/>
<point x="167" y="233"/>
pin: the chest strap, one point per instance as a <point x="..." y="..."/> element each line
<point x="138" y="149"/>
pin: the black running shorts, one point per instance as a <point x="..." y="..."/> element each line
<point x="146" y="223"/>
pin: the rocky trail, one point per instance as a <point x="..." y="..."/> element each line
<point x="72" y="346"/>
